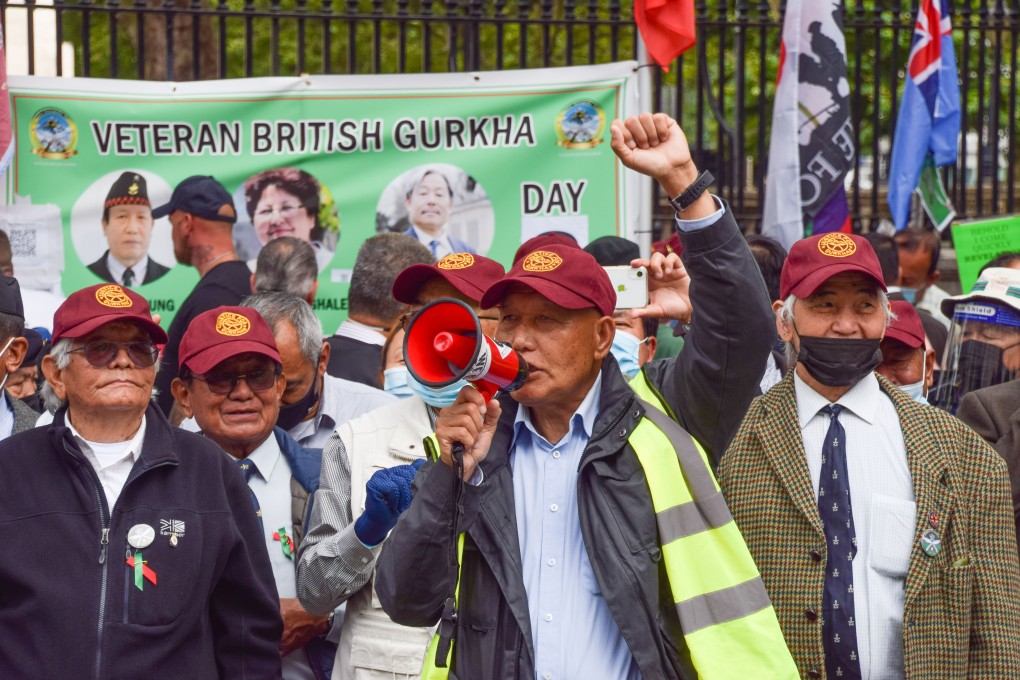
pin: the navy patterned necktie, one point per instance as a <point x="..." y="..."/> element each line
<point x="435" y="249"/>
<point x="839" y="632"/>
<point x="248" y="469"/>
<point x="129" y="277"/>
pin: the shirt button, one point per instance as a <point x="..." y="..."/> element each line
<point x="810" y="614"/>
<point x="556" y="454"/>
<point x="815" y="555"/>
<point x="547" y="676"/>
<point x="548" y="617"/>
<point x="552" y="562"/>
<point x="554" y="507"/>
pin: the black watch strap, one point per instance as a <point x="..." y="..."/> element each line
<point x="693" y="192"/>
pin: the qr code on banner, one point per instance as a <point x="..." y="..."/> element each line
<point x="23" y="243"/>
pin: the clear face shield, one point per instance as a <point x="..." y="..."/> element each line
<point x="983" y="350"/>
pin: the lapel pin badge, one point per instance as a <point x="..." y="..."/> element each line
<point x="931" y="544"/>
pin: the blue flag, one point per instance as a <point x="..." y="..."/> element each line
<point x="929" y="120"/>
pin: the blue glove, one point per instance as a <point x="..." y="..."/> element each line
<point x="388" y="493"/>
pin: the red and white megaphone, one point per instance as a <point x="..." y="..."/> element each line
<point x="444" y="343"/>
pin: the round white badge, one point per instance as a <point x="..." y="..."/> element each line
<point x="140" y="536"/>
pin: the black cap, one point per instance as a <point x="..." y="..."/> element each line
<point x="129" y="189"/>
<point x="200" y="196"/>
<point x="10" y="297"/>
<point x="37" y="346"/>
<point x="613" y="251"/>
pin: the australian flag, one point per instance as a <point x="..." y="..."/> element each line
<point x="929" y="120"/>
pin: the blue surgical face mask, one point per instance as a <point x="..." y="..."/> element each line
<point x="625" y="348"/>
<point x="909" y="294"/>
<point x="395" y="382"/>
<point x="440" y="397"/>
<point x="915" y="391"/>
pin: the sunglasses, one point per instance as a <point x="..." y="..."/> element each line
<point x="225" y="383"/>
<point x="102" y="352"/>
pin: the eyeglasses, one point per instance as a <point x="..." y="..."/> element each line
<point x="285" y="212"/>
<point x="102" y="352"/>
<point x="225" y="383"/>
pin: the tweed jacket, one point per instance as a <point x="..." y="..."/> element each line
<point x="994" y="413"/>
<point x="961" y="607"/>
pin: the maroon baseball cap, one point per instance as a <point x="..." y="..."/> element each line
<point x="549" y="238"/>
<point x="225" y="332"/>
<point x="564" y="275"/>
<point x="907" y="327"/>
<point x="469" y="274"/>
<point x="89" y="308"/>
<point x="813" y="261"/>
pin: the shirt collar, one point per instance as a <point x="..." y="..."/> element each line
<point x="117" y="268"/>
<point x="265" y="456"/>
<point x="133" y="445"/>
<point x="861" y="399"/>
<point x="361" y="331"/>
<point x="584" y="417"/>
<point x="428" y="238"/>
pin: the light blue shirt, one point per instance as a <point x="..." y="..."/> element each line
<point x="688" y="226"/>
<point x="574" y="633"/>
<point x="6" y="416"/>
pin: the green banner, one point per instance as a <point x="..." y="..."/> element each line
<point x="978" y="242"/>
<point x="521" y="152"/>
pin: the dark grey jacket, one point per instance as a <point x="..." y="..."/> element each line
<point x="24" y="415"/>
<point x="709" y="387"/>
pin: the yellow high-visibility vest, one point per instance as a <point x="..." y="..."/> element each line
<point x="730" y="627"/>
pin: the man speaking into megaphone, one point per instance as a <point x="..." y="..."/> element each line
<point x="593" y="540"/>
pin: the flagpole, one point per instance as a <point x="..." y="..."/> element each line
<point x="643" y="232"/>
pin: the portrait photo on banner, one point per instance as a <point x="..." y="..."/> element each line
<point x="113" y="232"/>
<point x="285" y="202"/>
<point x="441" y="205"/>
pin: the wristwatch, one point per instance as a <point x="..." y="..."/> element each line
<point x="693" y="192"/>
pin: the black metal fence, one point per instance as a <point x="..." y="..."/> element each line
<point x="721" y="91"/>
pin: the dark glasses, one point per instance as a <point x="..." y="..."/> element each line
<point x="225" y="383"/>
<point x="102" y="352"/>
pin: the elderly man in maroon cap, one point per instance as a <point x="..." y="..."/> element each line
<point x="907" y="360"/>
<point x="883" y="528"/>
<point x="584" y="499"/>
<point x="231" y="381"/>
<point x="131" y="548"/>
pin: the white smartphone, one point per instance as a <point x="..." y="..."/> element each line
<point x="630" y="284"/>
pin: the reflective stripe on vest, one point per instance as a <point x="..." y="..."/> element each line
<point x="429" y="670"/>
<point x="730" y="627"/>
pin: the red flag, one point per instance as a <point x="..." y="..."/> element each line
<point x="667" y="27"/>
<point x="6" y="129"/>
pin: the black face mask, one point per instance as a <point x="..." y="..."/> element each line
<point x="838" y="362"/>
<point x="980" y="365"/>
<point x="292" y="414"/>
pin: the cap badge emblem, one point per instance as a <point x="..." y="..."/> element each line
<point x="229" y="323"/>
<point x="541" y="261"/>
<point x="113" y="296"/>
<point x="456" y="261"/>
<point x="133" y="189"/>
<point x="836" y="244"/>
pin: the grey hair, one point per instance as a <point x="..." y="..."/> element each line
<point x="786" y="315"/>
<point x="380" y="259"/>
<point x="286" y="264"/>
<point x="277" y="307"/>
